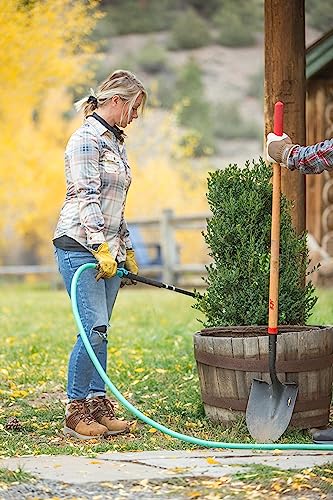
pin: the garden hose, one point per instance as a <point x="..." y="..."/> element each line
<point x="156" y="425"/>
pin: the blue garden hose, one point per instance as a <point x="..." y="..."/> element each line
<point x="156" y="425"/>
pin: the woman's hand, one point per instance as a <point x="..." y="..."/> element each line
<point x="130" y="262"/>
<point x="131" y="266"/>
<point x="107" y="266"/>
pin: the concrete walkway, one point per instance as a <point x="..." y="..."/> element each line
<point x="106" y="474"/>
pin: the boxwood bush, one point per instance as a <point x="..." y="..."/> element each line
<point x="238" y="236"/>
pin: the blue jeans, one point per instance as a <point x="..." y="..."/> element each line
<point x="95" y="301"/>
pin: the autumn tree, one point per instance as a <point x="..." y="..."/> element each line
<point x="44" y="50"/>
<point x="45" y="55"/>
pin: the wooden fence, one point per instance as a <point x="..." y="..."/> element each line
<point x="168" y="268"/>
<point x="160" y="234"/>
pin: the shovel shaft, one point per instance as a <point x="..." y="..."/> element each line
<point x="270" y="406"/>
<point x="273" y="309"/>
<point x="272" y="360"/>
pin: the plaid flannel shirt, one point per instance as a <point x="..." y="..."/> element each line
<point x="97" y="179"/>
<point x="311" y="159"/>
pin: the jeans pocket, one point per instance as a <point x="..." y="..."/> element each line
<point x="56" y="258"/>
<point x="77" y="259"/>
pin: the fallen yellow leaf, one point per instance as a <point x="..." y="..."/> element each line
<point x="133" y="425"/>
<point x="211" y="460"/>
<point x="177" y="469"/>
<point x="194" y="494"/>
<point x="276" y="487"/>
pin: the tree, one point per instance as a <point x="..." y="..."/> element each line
<point x="237" y="22"/>
<point x="44" y="50"/>
<point x="193" y="110"/>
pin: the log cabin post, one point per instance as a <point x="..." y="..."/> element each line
<point x="285" y="81"/>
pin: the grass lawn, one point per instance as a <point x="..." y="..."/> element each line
<point x="150" y="361"/>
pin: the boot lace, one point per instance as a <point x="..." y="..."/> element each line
<point x="104" y="407"/>
<point x="80" y="410"/>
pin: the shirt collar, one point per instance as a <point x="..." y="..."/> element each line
<point x="99" y="127"/>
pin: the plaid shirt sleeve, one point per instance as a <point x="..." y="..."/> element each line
<point x="312" y="159"/>
<point x="83" y="157"/>
<point x="125" y="234"/>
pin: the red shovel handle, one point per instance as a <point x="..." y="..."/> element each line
<point x="278" y="118"/>
<point x="273" y="307"/>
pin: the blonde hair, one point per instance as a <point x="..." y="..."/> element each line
<point x="122" y="83"/>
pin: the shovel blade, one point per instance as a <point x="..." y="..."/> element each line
<point x="269" y="409"/>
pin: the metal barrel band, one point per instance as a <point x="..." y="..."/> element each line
<point x="261" y="365"/>
<point x="240" y="404"/>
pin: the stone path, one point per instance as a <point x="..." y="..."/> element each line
<point x="141" y="474"/>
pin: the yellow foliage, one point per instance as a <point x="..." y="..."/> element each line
<point x="163" y="178"/>
<point x="42" y="52"/>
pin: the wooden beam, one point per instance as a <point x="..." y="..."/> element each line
<point x="285" y="81"/>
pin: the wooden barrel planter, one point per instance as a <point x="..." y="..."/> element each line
<point x="228" y="358"/>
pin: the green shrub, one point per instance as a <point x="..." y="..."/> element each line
<point x="195" y="144"/>
<point x="256" y="85"/>
<point x="132" y="16"/>
<point x="238" y="235"/>
<point x="127" y="61"/>
<point x="189" y="81"/>
<point x="229" y="123"/>
<point x="152" y="58"/>
<point x="206" y="8"/>
<point x="162" y="90"/>
<point x="320" y="14"/>
<point x="189" y="31"/>
<point x="238" y="21"/>
<point x="193" y="110"/>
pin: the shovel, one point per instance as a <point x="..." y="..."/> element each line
<point x="270" y="406"/>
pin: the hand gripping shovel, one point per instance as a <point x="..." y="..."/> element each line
<point x="270" y="406"/>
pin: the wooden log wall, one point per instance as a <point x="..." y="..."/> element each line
<point x="319" y="188"/>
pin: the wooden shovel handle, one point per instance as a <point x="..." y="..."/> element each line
<point x="273" y="308"/>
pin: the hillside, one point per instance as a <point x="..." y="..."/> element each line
<point x="229" y="75"/>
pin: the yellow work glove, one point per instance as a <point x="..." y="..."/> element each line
<point x="130" y="262"/>
<point x="131" y="266"/>
<point x="107" y="265"/>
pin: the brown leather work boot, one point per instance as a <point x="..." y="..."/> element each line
<point x="102" y="410"/>
<point x="80" y="424"/>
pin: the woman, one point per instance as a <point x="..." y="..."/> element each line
<point x="92" y="228"/>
